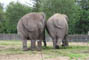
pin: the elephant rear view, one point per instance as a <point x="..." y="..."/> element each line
<point x="31" y="27"/>
<point x="57" y="27"/>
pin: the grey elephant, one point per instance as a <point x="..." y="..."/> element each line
<point x="57" y="27"/>
<point x="32" y="27"/>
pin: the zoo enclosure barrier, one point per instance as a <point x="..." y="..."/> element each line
<point x="70" y="38"/>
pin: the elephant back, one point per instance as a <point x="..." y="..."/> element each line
<point x="58" y="20"/>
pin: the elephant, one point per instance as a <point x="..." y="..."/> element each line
<point x="32" y="27"/>
<point x="57" y="27"/>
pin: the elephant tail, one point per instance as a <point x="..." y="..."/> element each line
<point x="46" y="28"/>
<point x="58" y="25"/>
<point x="25" y="27"/>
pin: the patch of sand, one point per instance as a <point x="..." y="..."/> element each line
<point x="29" y="57"/>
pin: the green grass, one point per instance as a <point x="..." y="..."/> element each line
<point x="74" y="52"/>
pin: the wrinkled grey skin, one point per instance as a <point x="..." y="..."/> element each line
<point x="32" y="27"/>
<point x="57" y="27"/>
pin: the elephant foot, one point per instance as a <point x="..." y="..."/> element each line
<point x="56" y="47"/>
<point x="45" y="45"/>
<point x="25" y="49"/>
<point x="39" y="49"/>
<point x="32" y="49"/>
<point x="65" y="45"/>
<point x="35" y="49"/>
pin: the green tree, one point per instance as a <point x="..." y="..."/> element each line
<point x="82" y="26"/>
<point x="67" y="7"/>
<point x="14" y="12"/>
<point x="2" y="18"/>
<point x="84" y="4"/>
<point x="1" y="12"/>
<point x="36" y="5"/>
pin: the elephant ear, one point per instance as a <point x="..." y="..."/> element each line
<point x="44" y="17"/>
<point x="43" y="14"/>
<point x="66" y="17"/>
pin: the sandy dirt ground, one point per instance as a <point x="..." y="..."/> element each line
<point x="36" y="56"/>
<point x="32" y="57"/>
<point x="29" y="57"/>
<point x="73" y="44"/>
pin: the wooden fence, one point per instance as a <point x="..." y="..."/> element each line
<point x="9" y="37"/>
<point x="78" y="38"/>
<point x="70" y="38"/>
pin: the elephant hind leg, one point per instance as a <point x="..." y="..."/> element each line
<point x="44" y="41"/>
<point x="33" y="44"/>
<point x="55" y="46"/>
<point x="24" y="41"/>
<point x="58" y="42"/>
<point x="39" y="45"/>
<point x="65" y="41"/>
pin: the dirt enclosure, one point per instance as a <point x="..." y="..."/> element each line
<point x="11" y="50"/>
<point x="29" y="57"/>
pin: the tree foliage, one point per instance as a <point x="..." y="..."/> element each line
<point x="36" y="5"/>
<point x="78" y="14"/>
<point x="1" y="12"/>
<point x="14" y="12"/>
<point x="1" y="18"/>
<point x="82" y="26"/>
